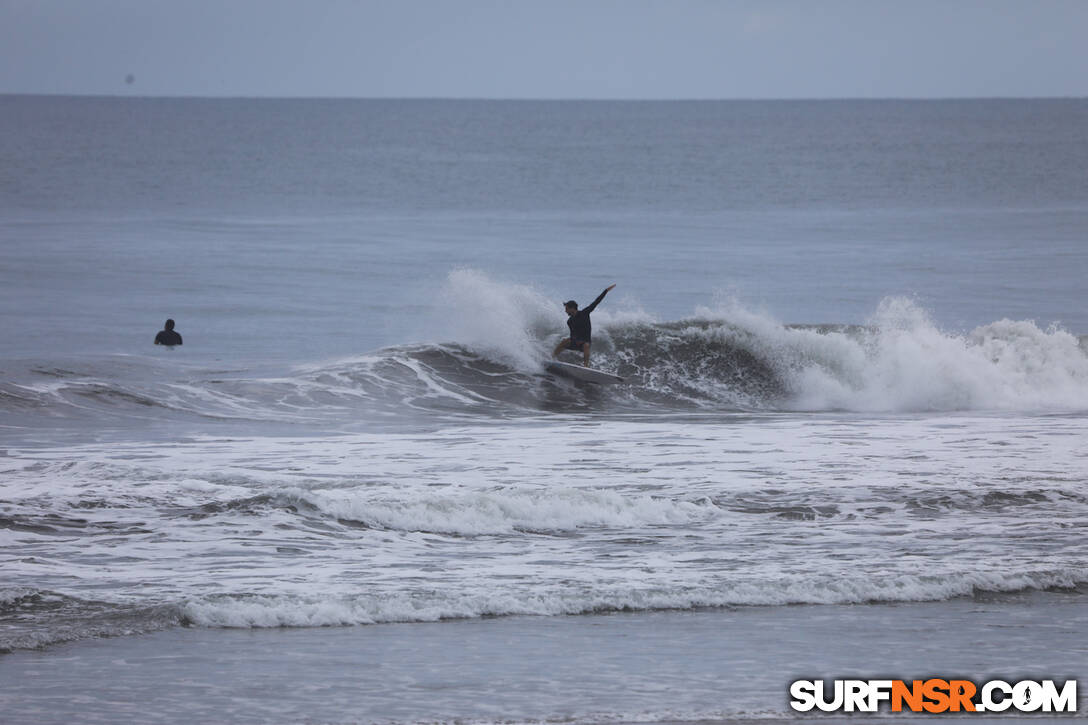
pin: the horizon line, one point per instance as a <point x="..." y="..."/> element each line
<point x="534" y="99"/>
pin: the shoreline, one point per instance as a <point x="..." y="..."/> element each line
<point x="730" y="665"/>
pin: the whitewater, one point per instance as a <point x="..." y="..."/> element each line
<point x="299" y="536"/>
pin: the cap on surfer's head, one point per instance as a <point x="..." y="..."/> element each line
<point x="169" y="324"/>
<point x="570" y="303"/>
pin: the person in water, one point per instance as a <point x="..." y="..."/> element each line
<point x="580" y="328"/>
<point x="167" y="336"/>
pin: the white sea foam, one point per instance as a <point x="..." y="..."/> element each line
<point x="477" y="601"/>
<point x="552" y="517"/>
<point x="902" y="362"/>
<point x="505" y="510"/>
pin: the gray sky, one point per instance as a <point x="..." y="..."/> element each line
<point x="547" y="48"/>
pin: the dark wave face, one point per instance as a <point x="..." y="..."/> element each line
<point x="34" y="618"/>
<point x="712" y="364"/>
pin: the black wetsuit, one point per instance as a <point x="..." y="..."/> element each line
<point x="581" y="330"/>
<point x="167" y="337"/>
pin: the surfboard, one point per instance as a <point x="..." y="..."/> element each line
<point x="589" y="375"/>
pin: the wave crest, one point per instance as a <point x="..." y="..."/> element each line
<point x="720" y="360"/>
<point x="256" y="611"/>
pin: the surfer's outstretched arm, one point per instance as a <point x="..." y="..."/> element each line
<point x="593" y="305"/>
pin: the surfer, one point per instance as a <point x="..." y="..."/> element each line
<point x="167" y="336"/>
<point x="580" y="328"/>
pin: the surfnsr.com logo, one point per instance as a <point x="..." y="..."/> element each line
<point x="934" y="695"/>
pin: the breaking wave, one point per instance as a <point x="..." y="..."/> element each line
<point x="34" y="619"/>
<point x="301" y="611"/>
<point x="724" y="359"/>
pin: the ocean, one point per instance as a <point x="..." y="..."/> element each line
<point x="852" y="441"/>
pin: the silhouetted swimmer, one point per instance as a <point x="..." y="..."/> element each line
<point x="581" y="330"/>
<point x="167" y="336"/>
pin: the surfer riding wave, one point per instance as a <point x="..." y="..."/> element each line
<point x="581" y="329"/>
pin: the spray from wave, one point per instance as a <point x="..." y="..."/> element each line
<point x="731" y="357"/>
<point x="901" y="361"/>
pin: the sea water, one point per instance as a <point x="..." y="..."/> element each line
<point x="853" y="442"/>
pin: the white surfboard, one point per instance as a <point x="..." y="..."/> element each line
<point x="569" y="370"/>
